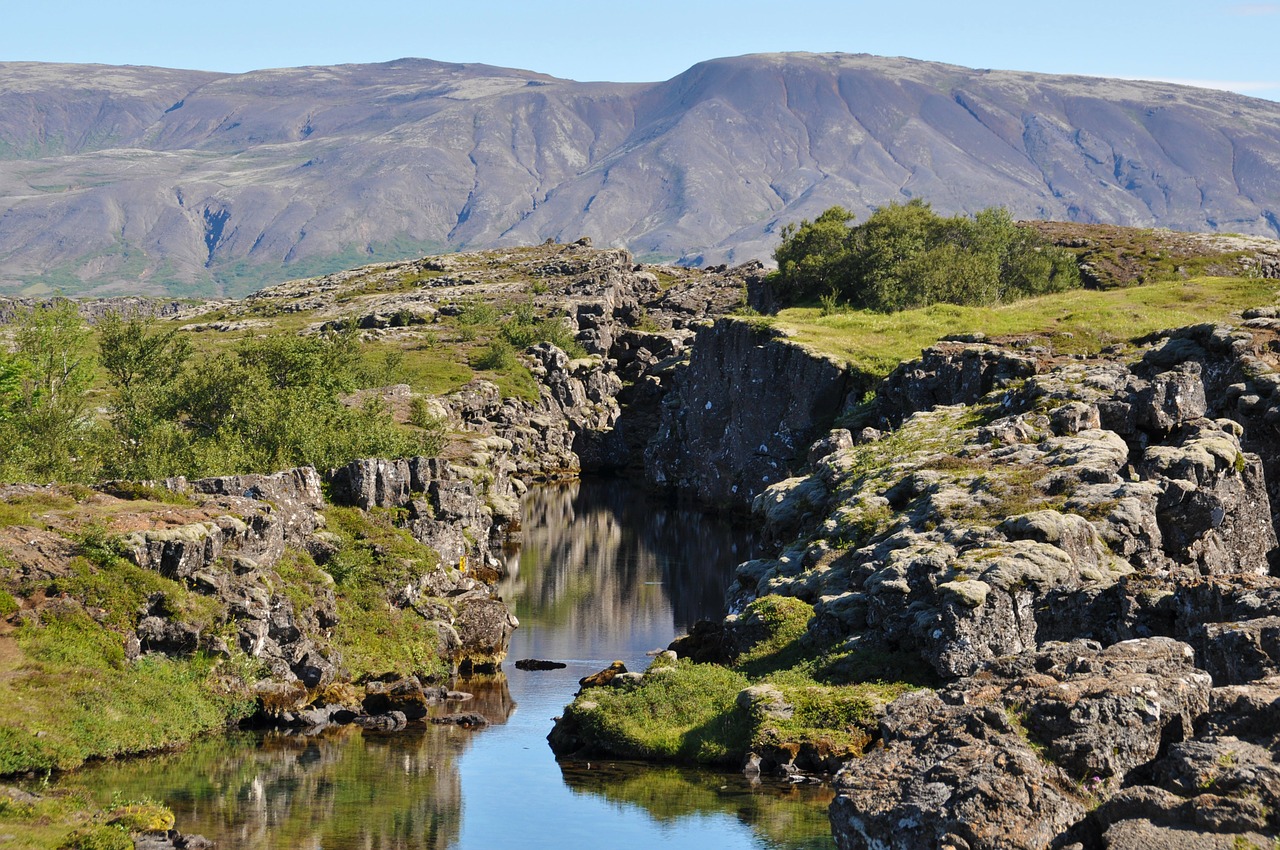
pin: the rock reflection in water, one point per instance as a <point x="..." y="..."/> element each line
<point x="340" y="788"/>
<point x="597" y="563"/>
<point x="794" y="817"/>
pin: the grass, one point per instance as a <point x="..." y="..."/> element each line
<point x="691" y="712"/>
<point x="70" y="695"/>
<point x="686" y="714"/>
<point x="375" y="558"/>
<point x="58" y="818"/>
<point x="1080" y="321"/>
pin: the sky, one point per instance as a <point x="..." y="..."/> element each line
<point x="1226" y="45"/>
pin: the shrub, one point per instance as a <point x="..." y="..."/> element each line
<point x="906" y="255"/>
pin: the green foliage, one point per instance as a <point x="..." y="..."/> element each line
<point x="435" y="430"/>
<point x="45" y="431"/>
<point x="143" y="363"/>
<point x="497" y="356"/>
<point x="782" y="622"/>
<point x="376" y="639"/>
<point x="525" y="328"/>
<point x="97" y="838"/>
<point x="374" y="559"/>
<point x="905" y="256"/>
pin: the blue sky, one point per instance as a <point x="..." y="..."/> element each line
<point x="1217" y="44"/>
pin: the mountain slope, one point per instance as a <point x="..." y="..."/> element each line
<point x="152" y="180"/>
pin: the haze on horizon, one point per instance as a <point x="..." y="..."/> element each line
<point x="1216" y="44"/>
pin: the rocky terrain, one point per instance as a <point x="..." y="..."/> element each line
<point x="1017" y="596"/>
<point x="1081" y="551"/>
<point x="124" y="180"/>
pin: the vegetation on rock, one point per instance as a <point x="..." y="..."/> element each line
<point x="783" y="697"/>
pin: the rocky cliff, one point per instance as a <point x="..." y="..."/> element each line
<point x="1082" y="550"/>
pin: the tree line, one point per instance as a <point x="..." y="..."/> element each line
<point x="270" y="403"/>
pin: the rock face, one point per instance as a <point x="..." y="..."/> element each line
<point x="253" y="519"/>
<point x="1082" y="550"/>
<point x="807" y="131"/>
<point x="743" y="415"/>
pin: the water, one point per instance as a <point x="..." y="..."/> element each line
<point x="600" y="575"/>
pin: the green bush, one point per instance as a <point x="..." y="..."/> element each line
<point x="906" y="255"/>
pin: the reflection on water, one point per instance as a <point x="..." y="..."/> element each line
<point x="343" y="788"/>
<point x="791" y="817"/>
<point x="600" y="574"/>
<point x="601" y="566"/>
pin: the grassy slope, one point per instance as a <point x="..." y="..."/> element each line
<point x="1080" y="321"/>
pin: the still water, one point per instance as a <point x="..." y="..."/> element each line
<point x="601" y="574"/>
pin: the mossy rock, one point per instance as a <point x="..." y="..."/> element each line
<point x="142" y="817"/>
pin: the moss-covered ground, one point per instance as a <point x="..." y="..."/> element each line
<point x="67" y="819"/>
<point x="687" y="712"/>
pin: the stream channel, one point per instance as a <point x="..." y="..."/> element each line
<point x="601" y="574"/>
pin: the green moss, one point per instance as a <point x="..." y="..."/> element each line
<point x="687" y="713"/>
<point x="376" y="639"/>
<point x="374" y="559"/>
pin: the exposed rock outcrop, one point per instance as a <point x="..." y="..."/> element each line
<point x="743" y="415"/>
<point x="1081" y="548"/>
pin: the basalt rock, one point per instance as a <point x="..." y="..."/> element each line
<point x="742" y="415"/>
<point x="1081" y="549"/>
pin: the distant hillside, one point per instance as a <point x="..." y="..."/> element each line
<point x="147" y="180"/>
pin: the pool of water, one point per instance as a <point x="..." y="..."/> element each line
<point x="600" y="574"/>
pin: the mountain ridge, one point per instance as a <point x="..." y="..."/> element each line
<point x="128" y="179"/>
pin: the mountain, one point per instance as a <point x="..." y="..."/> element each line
<point x="125" y="180"/>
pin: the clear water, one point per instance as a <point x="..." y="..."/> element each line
<point x="601" y="574"/>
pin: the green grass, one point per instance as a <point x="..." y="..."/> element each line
<point x="687" y="714"/>
<point x="1080" y="321"/>
<point x="70" y="695"/>
<point x="374" y="559"/>
<point x="58" y="818"/>
<point x="690" y="712"/>
<point x="376" y="639"/>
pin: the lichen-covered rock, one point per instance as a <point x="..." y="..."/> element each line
<point x="954" y="776"/>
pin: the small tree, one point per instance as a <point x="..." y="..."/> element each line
<point x="143" y="363"/>
<point x="48" y="432"/>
